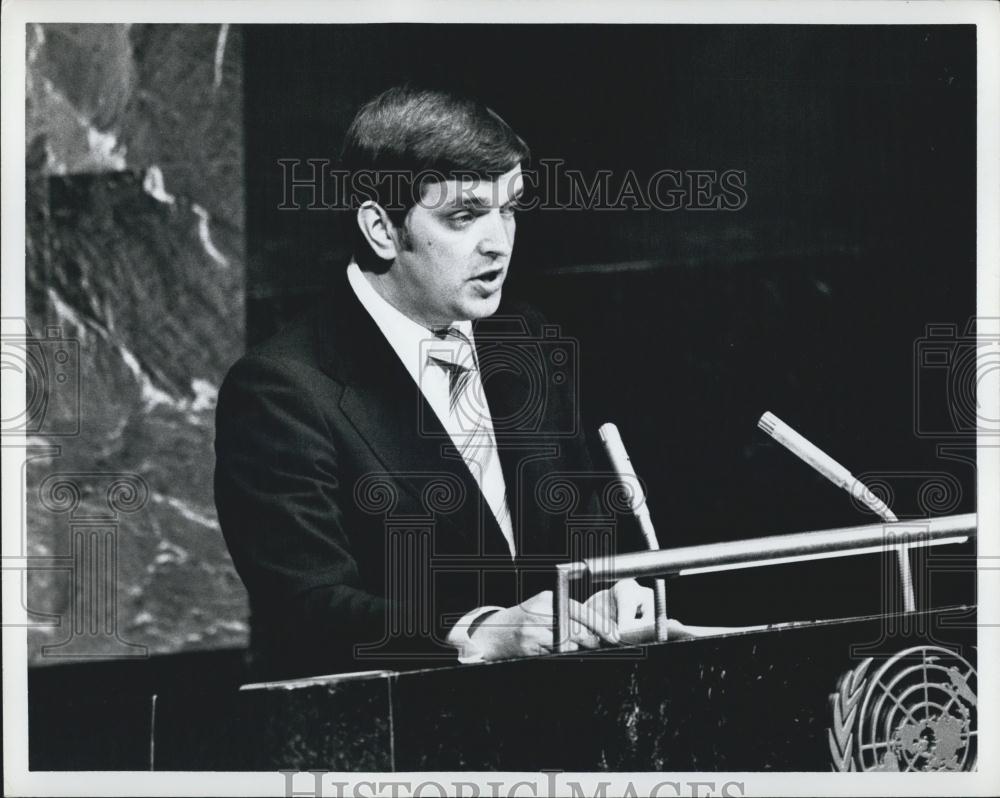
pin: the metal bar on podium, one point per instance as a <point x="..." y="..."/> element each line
<point x="774" y="549"/>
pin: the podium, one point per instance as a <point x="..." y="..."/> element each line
<point x="880" y="692"/>
<point x="891" y="692"/>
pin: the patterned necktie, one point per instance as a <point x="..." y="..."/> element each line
<point x="470" y="413"/>
<point x="458" y="359"/>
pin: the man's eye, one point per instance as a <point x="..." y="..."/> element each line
<point x="463" y="217"/>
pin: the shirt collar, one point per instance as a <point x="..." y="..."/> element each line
<point x="408" y="338"/>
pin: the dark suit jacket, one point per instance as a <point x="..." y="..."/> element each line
<point x="360" y="534"/>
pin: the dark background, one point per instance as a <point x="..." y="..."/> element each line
<point x="858" y="145"/>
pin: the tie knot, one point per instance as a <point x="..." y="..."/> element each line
<point x="452" y="348"/>
<point x="452" y="334"/>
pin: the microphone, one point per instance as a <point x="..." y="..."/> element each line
<point x="622" y="465"/>
<point x="820" y="461"/>
<point x="813" y="456"/>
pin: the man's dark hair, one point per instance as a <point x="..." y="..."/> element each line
<point x="406" y="137"/>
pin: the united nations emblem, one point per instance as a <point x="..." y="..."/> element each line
<point x="917" y="712"/>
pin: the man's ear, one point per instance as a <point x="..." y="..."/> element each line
<point x="377" y="229"/>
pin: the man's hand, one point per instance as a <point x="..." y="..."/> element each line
<point x="627" y="603"/>
<point x="526" y="629"/>
<point x="633" y="607"/>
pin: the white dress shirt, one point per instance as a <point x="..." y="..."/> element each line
<point x="414" y="344"/>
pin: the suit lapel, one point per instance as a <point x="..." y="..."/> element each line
<point x="389" y="412"/>
<point x="513" y="381"/>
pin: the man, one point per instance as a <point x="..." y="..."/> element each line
<point x="392" y="470"/>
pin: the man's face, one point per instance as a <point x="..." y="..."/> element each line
<point x="453" y="255"/>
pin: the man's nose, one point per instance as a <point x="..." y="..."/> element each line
<point x="497" y="240"/>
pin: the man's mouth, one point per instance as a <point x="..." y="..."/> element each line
<point x="489" y="277"/>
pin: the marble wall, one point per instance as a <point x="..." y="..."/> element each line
<point x="135" y="254"/>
